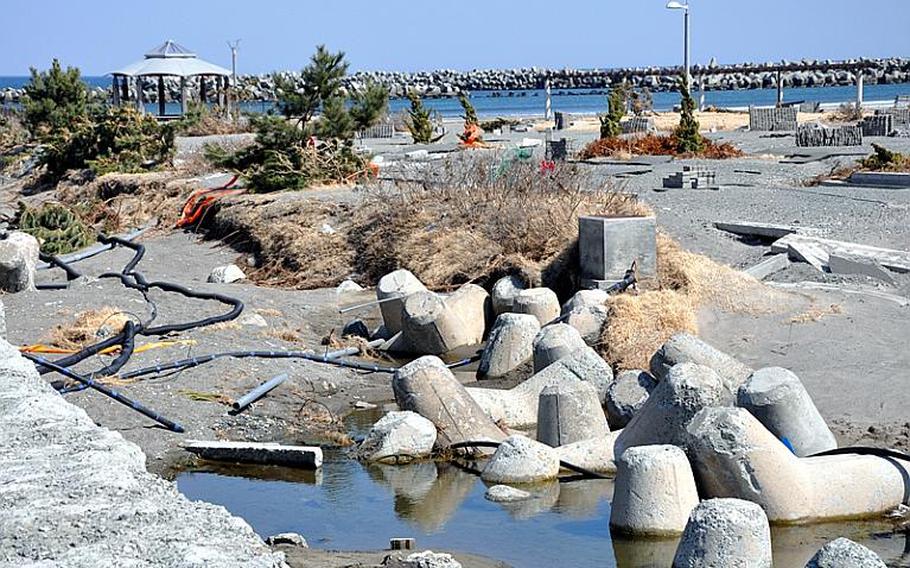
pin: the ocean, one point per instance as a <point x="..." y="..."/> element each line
<point x="580" y="101"/>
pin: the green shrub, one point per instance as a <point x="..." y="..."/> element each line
<point x="470" y="115"/>
<point x="56" y="226"/>
<point x="418" y="120"/>
<point x="54" y="98"/>
<point x="369" y="105"/>
<point x="610" y="122"/>
<point x="688" y="138"/>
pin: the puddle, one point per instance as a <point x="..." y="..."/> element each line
<point x="352" y="506"/>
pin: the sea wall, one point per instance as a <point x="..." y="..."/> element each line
<point x="76" y="494"/>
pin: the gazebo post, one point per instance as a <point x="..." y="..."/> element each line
<point x="124" y="88"/>
<point x="202" y="90"/>
<point x="140" y="103"/>
<point x="161" y="105"/>
<point x="182" y="95"/>
<point x="227" y="95"/>
<point x="115" y="91"/>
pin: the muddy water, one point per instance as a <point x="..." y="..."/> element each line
<point x="351" y="506"/>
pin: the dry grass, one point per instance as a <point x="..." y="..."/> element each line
<point x="640" y="324"/>
<point x="655" y="145"/>
<point x="89" y="327"/>
<point x="285" y="334"/>
<point x="815" y="313"/>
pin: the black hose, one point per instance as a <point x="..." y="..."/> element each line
<point x="864" y="451"/>
<point x="585" y="473"/>
<point x="127" y="347"/>
<point x="71" y="273"/>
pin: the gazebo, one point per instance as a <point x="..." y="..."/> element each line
<point x="169" y="59"/>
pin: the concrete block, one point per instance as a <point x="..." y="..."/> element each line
<point x="892" y="259"/>
<point x="510" y="345"/>
<point x="227" y="274"/>
<point x="654" y="492"/>
<point x="844" y="263"/>
<point x="541" y="303"/>
<point x="568" y="412"/>
<point x="626" y="395"/>
<point x="504" y="292"/>
<point x="814" y="134"/>
<point x="768" y="266"/>
<point x="402" y="543"/>
<point x="587" y="312"/>
<point x="686" y="348"/>
<point x="521" y="460"/>
<point x="780" y="402"/>
<point x="773" y="119"/>
<point x="517" y="407"/>
<point x="899" y="180"/>
<point x="725" y="532"/>
<point x="733" y="455"/>
<point x="391" y="291"/>
<point x="399" y="437"/>
<point x="427" y="387"/>
<point x="594" y="454"/>
<point x="608" y="246"/>
<point x="431" y="326"/>
<point x="472" y="305"/>
<point x="844" y="553"/>
<point x="759" y="230"/>
<point x="554" y="342"/>
<point x="678" y="397"/>
<point x="18" y="262"/>
<point x="306" y="457"/>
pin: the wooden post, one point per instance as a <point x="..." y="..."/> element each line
<point x="161" y="106"/>
<point x="125" y="89"/>
<point x="183" y="95"/>
<point x="202" y="94"/>
<point x="115" y="91"/>
<point x="780" y="88"/>
<point x="140" y="103"/>
<point x="859" y="90"/>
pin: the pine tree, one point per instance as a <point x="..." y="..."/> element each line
<point x="321" y="81"/>
<point x="54" y="98"/>
<point x="418" y="122"/>
<point x="369" y="105"/>
<point x="470" y="115"/>
<point x="688" y="138"/>
<point x="616" y="104"/>
<point x="336" y="121"/>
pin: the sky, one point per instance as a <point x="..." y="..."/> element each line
<point x="101" y="35"/>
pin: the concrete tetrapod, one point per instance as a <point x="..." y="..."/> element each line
<point x="654" y="492"/>
<point x="594" y="454"/>
<point x="541" y="303"/>
<point x="521" y="460"/>
<point x="554" y="342"/>
<point x="504" y="292"/>
<point x="663" y="419"/>
<point x="844" y="553"/>
<point x="733" y="455"/>
<point x="18" y="262"/>
<point x="509" y="346"/>
<point x="625" y="397"/>
<point x="399" y="437"/>
<point x="431" y="327"/>
<point x="587" y="312"/>
<point x="568" y="412"/>
<point x="686" y="348"/>
<point x="517" y="407"/>
<point x="780" y="402"/>
<point x="398" y="285"/>
<point x="471" y="304"/>
<point x="427" y="387"/>
<point x="725" y="532"/>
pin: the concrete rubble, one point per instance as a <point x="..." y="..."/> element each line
<point x="76" y="494"/>
<point x="399" y="437"/>
<point x="509" y="346"/>
<point x="18" y="262"/>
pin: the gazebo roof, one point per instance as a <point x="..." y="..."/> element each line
<point x="172" y="59"/>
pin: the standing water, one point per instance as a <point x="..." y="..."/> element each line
<point x="352" y="506"/>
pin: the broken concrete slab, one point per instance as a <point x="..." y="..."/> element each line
<point x="307" y="457"/>
<point x="810" y="253"/>
<point x="768" y="266"/>
<point x="759" y="230"/>
<point x="843" y="263"/>
<point x="896" y="260"/>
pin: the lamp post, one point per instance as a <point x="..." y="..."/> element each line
<point x="674" y="5"/>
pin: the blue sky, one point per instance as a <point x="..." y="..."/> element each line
<point x="100" y="35"/>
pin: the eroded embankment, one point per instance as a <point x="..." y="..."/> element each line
<point x="75" y="494"/>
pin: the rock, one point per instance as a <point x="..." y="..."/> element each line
<point x="780" y="402"/>
<point x="587" y="312"/>
<point x="471" y="304"/>
<point x="348" y="286"/>
<point x="391" y="291"/>
<point x="399" y="437"/>
<point x="431" y="327"/>
<point x="504" y="292"/>
<point x="663" y="419"/>
<point x="509" y="346"/>
<point x="505" y="494"/>
<point x="654" y="492"/>
<point x="844" y="553"/>
<point x="430" y="559"/>
<point x="626" y="395"/>
<point x="725" y="532"/>
<point x="427" y="387"/>
<point x="554" y="342"/>
<point x="356" y="328"/>
<point x="226" y="274"/>
<point x="521" y="460"/>
<point x="253" y="320"/>
<point x="568" y="412"/>
<point x="686" y="348"/>
<point x="18" y="262"/>
<point x="541" y="303"/>
<point x="288" y="538"/>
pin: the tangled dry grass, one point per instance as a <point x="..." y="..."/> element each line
<point x="655" y="145"/>
<point x="88" y="327"/>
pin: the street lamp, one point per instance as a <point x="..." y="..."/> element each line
<point x="674" y="5"/>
